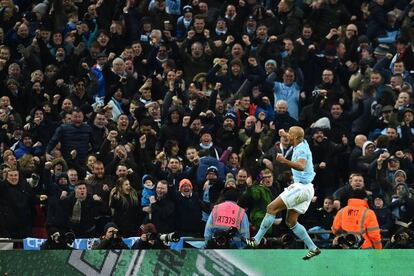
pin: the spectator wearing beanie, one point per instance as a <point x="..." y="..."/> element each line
<point x="184" y="22"/>
<point x="229" y="183"/>
<point x="325" y="153"/>
<point x="188" y="210"/>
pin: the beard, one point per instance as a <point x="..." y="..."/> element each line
<point x="228" y="128"/>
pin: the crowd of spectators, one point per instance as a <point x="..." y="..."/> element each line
<point x="138" y="112"/>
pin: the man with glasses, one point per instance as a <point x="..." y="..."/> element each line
<point x="258" y="196"/>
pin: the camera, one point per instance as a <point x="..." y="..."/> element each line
<point x="349" y="241"/>
<point x="403" y="237"/>
<point x="34" y="180"/>
<point x="316" y="92"/>
<point x="68" y="238"/>
<point x="59" y="241"/>
<point x="123" y="80"/>
<point x="115" y="233"/>
<point x="222" y="239"/>
<point x="166" y="238"/>
<point x="170" y="237"/>
<point x="151" y="236"/>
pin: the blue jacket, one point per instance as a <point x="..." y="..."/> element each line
<point x="147" y="192"/>
<point x="21" y="150"/>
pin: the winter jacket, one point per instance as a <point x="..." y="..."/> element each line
<point x="71" y="138"/>
<point x="128" y="216"/>
<point x="16" y="209"/>
<point x="163" y="215"/>
<point x="188" y="214"/>
<point x="255" y="199"/>
<point x="356" y="218"/>
<point x="146" y="193"/>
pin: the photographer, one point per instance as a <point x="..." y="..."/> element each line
<point x="150" y="239"/>
<point x="356" y="220"/>
<point x="403" y="239"/>
<point x="227" y="223"/>
<point x="111" y="240"/>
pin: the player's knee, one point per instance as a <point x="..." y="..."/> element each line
<point x="271" y="209"/>
<point x="290" y="222"/>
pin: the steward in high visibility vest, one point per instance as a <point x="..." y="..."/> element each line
<point x="228" y="215"/>
<point x="357" y="219"/>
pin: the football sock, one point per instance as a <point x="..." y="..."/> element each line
<point x="302" y="234"/>
<point x="264" y="226"/>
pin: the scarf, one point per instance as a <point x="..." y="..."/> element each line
<point x="206" y="147"/>
<point x="187" y="23"/>
<point x="77" y="212"/>
<point x="144" y="101"/>
<point x="221" y="32"/>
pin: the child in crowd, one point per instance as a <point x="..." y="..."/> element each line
<point x="325" y="216"/>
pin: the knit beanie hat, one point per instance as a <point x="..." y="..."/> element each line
<point x="229" y="179"/>
<point x="183" y="182"/>
<point x="271" y="61"/>
<point x="400" y="172"/>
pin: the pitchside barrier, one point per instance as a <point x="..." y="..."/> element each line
<point x="206" y="262"/>
<point x="86" y="244"/>
<point x="185" y="242"/>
